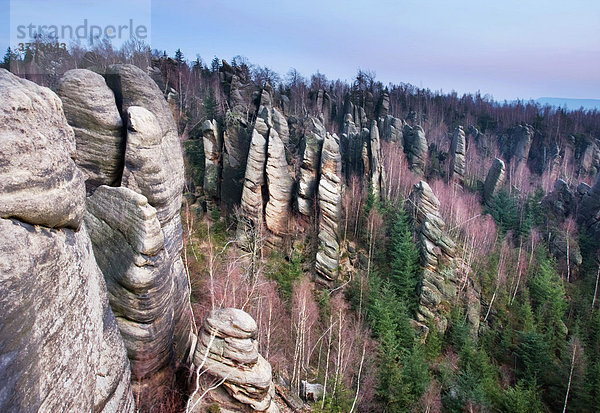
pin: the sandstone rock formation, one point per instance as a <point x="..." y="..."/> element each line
<point x="330" y="209"/>
<point x="212" y="157"/>
<point x="236" y="143"/>
<point x="59" y="343"/>
<point x="90" y="108"/>
<point x="458" y="150"/>
<point x="227" y="350"/>
<point x="589" y="208"/>
<point x="280" y="185"/>
<point x="153" y="174"/>
<point x="415" y="147"/>
<point x="252" y="201"/>
<point x="391" y="129"/>
<point x="312" y="142"/>
<point x="494" y="180"/>
<point x="439" y="285"/>
<point x="383" y="107"/>
<point x="374" y="161"/>
<point x="521" y="138"/>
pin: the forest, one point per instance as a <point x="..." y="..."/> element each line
<point x="521" y="332"/>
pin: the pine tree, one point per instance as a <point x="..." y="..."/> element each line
<point x="404" y="261"/>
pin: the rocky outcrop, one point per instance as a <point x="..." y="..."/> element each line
<point x="152" y="187"/>
<point x="129" y="248"/>
<point x="212" y="157"/>
<point x="236" y="143"/>
<point x="589" y="208"/>
<point x="494" y="180"/>
<point x="521" y="138"/>
<point x="391" y="129"/>
<point x="458" y="150"/>
<point x="231" y="79"/>
<point x="312" y="142"/>
<point x="252" y="199"/>
<point x="90" y="108"/>
<point x="39" y="183"/>
<point x="383" y="107"/>
<point x="374" y="161"/>
<point x="228" y="351"/>
<point x="330" y="210"/>
<point x="415" y="147"/>
<point x="280" y="185"/>
<point x="59" y="343"/>
<point x="437" y="249"/>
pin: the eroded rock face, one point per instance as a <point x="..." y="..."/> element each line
<point x="330" y="209"/>
<point x="312" y="142"/>
<point x="39" y="182"/>
<point x="415" y="147"/>
<point x="392" y="129"/>
<point x="236" y="143"/>
<point x="212" y="157"/>
<point x="227" y="350"/>
<point x="521" y="138"/>
<point x="494" y="180"/>
<point x="252" y="201"/>
<point x="280" y="185"/>
<point x="375" y="166"/>
<point x="60" y="348"/>
<point x="589" y="208"/>
<point x="91" y="110"/>
<point x="458" y="150"/>
<point x="152" y="182"/>
<point x="439" y="286"/>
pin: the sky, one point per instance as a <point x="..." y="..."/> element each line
<point x="508" y="49"/>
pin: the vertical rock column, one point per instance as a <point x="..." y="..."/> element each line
<point x="493" y="180"/>
<point x="330" y="210"/>
<point x="213" y="144"/>
<point x="439" y="285"/>
<point x="458" y="150"/>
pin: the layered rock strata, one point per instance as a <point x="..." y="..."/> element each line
<point x="458" y="150"/>
<point x="60" y="347"/>
<point x="415" y="147"/>
<point x="228" y="351"/>
<point x="330" y="209"/>
<point x="437" y="249"/>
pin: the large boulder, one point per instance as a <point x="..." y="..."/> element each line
<point x="60" y="348"/>
<point x="91" y="110"/>
<point x="228" y="351"/>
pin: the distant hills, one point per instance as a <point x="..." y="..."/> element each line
<point x="571" y="104"/>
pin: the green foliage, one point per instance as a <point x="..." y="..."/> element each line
<point x="213" y="408"/>
<point x="511" y="214"/>
<point x="285" y="272"/>
<point x="533" y="353"/>
<point x="505" y="211"/>
<point x="548" y="301"/>
<point x="210" y="106"/>
<point x="523" y="398"/>
<point x="194" y="149"/>
<point x="404" y="261"/>
<point x="433" y="344"/>
<point x="340" y="402"/>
